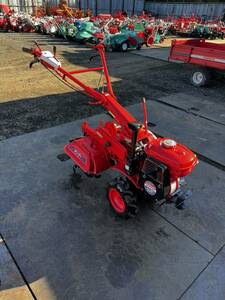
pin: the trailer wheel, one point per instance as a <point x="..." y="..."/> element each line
<point x="200" y="77"/>
<point x="124" y="47"/>
<point x="121" y="198"/>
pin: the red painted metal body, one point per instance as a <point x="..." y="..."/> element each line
<point x="5" y="9"/>
<point x="110" y="144"/>
<point x="5" y="13"/>
<point x="199" y="52"/>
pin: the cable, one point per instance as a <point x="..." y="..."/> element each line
<point x="67" y="83"/>
<point x="70" y="85"/>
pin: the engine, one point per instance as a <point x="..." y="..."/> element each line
<point x="155" y="180"/>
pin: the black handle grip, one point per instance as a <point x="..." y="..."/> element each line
<point x="27" y="50"/>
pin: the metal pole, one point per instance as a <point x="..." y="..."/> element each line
<point x="134" y="2"/>
<point x="96" y="7"/>
<point x="25" y="6"/>
<point x="110" y="6"/>
<point x="32" y="6"/>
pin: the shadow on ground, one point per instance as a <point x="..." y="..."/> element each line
<point x="138" y="77"/>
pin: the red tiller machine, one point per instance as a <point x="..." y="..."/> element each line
<point x="148" y="165"/>
<point x="208" y="58"/>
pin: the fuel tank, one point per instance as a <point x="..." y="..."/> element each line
<point x="180" y="160"/>
<point x="89" y="156"/>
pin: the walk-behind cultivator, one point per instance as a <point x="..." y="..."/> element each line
<point x="150" y="167"/>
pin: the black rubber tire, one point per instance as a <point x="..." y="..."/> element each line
<point x="200" y="77"/>
<point x="128" y="194"/>
<point x="139" y="47"/>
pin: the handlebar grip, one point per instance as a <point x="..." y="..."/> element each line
<point x="27" y="50"/>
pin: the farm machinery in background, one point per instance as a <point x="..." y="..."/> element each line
<point x="150" y="167"/>
<point x="196" y="27"/>
<point x="5" y="14"/>
<point x="19" y="22"/>
<point x="208" y="59"/>
<point x="118" y="32"/>
<point x="133" y="34"/>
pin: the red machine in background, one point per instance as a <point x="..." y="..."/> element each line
<point x="150" y="166"/>
<point x="5" y="13"/>
<point x="207" y="57"/>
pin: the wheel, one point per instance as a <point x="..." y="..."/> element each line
<point x="122" y="198"/>
<point x="200" y="77"/>
<point x="124" y="47"/>
<point x="139" y="47"/>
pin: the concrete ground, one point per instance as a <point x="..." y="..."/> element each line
<point x="59" y="238"/>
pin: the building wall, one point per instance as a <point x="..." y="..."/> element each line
<point x="210" y="10"/>
<point x="97" y="6"/>
<point x="22" y="5"/>
<point x="106" y="6"/>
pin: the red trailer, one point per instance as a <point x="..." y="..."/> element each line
<point x="209" y="58"/>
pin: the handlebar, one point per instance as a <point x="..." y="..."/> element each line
<point x="27" y="50"/>
<point x="35" y="50"/>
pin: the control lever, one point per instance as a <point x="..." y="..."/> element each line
<point x="54" y="51"/>
<point x="129" y="167"/>
<point x="36" y="43"/>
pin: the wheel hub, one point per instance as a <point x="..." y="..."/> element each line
<point x="124" y="47"/>
<point x="198" y="77"/>
<point x="116" y="200"/>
